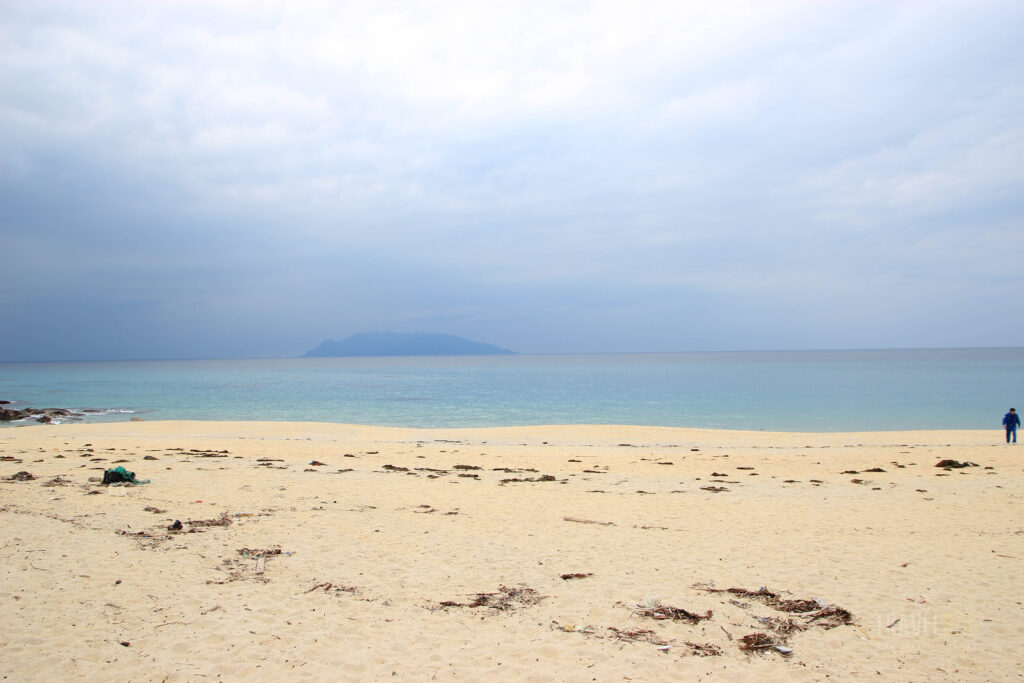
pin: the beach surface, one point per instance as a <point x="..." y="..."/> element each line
<point x="311" y="551"/>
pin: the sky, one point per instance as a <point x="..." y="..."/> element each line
<point x="247" y="179"/>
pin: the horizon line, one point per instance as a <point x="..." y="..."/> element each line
<point x="522" y="353"/>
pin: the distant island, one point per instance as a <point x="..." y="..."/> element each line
<point x="404" y="344"/>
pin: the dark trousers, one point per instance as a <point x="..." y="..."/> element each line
<point x="1011" y="430"/>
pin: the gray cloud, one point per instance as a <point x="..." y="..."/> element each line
<point x="195" y="179"/>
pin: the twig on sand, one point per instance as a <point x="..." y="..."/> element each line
<point x="578" y="520"/>
<point x="169" y="623"/>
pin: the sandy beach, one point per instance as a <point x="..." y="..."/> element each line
<point x="312" y="551"/>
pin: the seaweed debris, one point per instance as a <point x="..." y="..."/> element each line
<point x="814" y="612"/>
<point x="546" y="477"/>
<point x="505" y="599"/>
<point x="223" y="520"/>
<point x="673" y="613"/>
<point x="703" y="649"/>
<point x="949" y="464"/>
<point x="258" y="552"/>
<point x="636" y="635"/>
<point x="753" y="642"/>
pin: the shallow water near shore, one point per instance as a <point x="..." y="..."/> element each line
<point x="780" y="391"/>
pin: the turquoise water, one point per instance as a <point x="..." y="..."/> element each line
<point x="789" y="391"/>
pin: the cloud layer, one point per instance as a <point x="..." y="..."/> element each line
<point x="194" y="179"/>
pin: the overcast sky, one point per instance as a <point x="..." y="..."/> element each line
<point x="220" y="179"/>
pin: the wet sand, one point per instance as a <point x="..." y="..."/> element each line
<point x="333" y="552"/>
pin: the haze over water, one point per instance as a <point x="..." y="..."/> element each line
<point x="783" y="391"/>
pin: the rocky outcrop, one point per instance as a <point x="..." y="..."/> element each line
<point x="42" y="415"/>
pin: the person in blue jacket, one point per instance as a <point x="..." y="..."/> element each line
<point x="1011" y="421"/>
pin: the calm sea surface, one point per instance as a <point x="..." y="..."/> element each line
<point x="787" y="391"/>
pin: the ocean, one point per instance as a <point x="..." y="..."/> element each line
<point x="820" y="391"/>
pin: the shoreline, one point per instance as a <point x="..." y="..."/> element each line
<point x="317" y="550"/>
<point x="263" y="424"/>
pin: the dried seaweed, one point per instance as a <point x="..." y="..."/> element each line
<point x="703" y="650"/>
<point x="813" y="611"/>
<point x="580" y="575"/>
<point x="329" y="587"/>
<point x="794" y="606"/>
<point x="546" y="477"/>
<point x="783" y="627"/>
<point x="259" y="552"/>
<point x="238" y="570"/>
<point x="506" y="599"/>
<point x="673" y="613"/>
<point x="830" y="617"/>
<point x="947" y="464"/>
<point x="757" y="641"/>
<point x="223" y="520"/>
<point x="636" y="635"/>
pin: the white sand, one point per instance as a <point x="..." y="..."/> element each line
<point x="928" y="561"/>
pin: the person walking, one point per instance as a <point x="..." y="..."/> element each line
<point x="1011" y="421"/>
